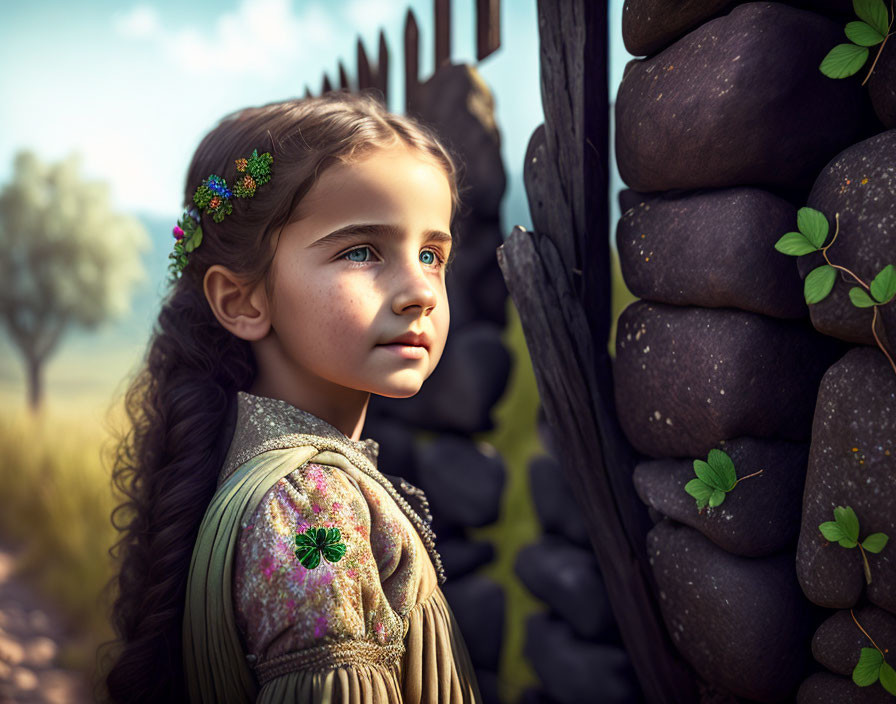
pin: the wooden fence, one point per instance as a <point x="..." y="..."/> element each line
<point x="488" y="40"/>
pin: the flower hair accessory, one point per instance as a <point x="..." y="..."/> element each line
<point x="315" y="542"/>
<point x="213" y="196"/>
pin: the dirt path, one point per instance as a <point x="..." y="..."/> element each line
<point x="30" y="641"/>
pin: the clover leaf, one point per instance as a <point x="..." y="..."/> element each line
<point x="874" y="12"/>
<point x="888" y="677"/>
<point x="316" y="542"/>
<point x="883" y="286"/>
<point x="715" y="478"/>
<point x="819" y="283"/>
<point x="871" y="667"/>
<point x="845" y="59"/>
<point x="844" y="529"/>
<point x="813" y="231"/>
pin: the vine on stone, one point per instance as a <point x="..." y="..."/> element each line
<point x="844" y="529"/>
<point x="813" y="229"/>
<point x="845" y="59"/>
<point x="872" y="666"/>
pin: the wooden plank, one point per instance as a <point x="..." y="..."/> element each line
<point x="596" y="256"/>
<point x="411" y="61"/>
<point x="560" y="281"/>
<point x="343" y="77"/>
<point x="572" y="93"/>
<point x="549" y="310"/>
<point x="382" y="68"/>
<point x="488" y="27"/>
<point x="442" y="11"/>
<point x="364" y="77"/>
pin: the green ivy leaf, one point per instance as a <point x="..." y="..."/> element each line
<point x="813" y="224"/>
<point x="859" y="298"/>
<point x="831" y="531"/>
<point x="888" y="678"/>
<point x="883" y="287"/>
<point x="863" y="34"/>
<point x="875" y="542"/>
<point x="721" y="462"/>
<point x="710" y="475"/>
<point x="819" y="283"/>
<point x="699" y="490"/>
<point x="874" y="12"/>
<point x="867" y="669"/>
<point x="795" y="244"/>
<point x="843" y="60"/>
<point x="846" y="517"/>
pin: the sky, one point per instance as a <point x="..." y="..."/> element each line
<point x="132" y="87"/>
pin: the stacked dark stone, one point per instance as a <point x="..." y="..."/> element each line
<point x="574" y="645"/>
<point x="461" y="479"/>
<point x="721" y="136"/>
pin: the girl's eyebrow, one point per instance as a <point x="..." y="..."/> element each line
<point x="375" y="230"/>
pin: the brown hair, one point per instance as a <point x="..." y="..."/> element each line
<point x="181" y="404"/>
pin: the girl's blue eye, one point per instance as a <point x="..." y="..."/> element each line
<point x="359" y="249"/>
<point x="434" y="259"/>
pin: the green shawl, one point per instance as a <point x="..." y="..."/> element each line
<point x="215" y="667"/>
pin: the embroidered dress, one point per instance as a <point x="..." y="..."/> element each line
<point x="372" y="626"/>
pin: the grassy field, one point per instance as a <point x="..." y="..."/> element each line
<point x="57" y="506"/>
<point x="58" y="500"/>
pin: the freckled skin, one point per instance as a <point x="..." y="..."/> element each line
<point x="316" y="339"/>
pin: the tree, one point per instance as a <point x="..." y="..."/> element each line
<point x="65" y="258"/>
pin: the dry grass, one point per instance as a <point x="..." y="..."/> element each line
<point x="57" y="507"/>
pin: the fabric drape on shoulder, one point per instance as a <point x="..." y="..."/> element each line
<point x="215" y="666"/>
<point x="301" y="622"/>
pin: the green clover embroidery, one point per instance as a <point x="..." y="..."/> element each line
<point x="316" y="542"/>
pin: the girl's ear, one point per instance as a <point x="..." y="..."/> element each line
<point x="241" y="310"/>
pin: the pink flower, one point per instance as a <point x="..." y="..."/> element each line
<point x="321" y="627"/>
<point x="380" y="631"/>
<point x="267" y="566"/>
<point x="178" y="233"/>
<point x="315" y="508"/>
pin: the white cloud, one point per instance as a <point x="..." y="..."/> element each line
<point x="371" y="14"/>
<point x="267" y="37"/>
<point x="140" y="21"/>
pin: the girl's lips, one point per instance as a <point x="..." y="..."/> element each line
<point x="406" y="351"/>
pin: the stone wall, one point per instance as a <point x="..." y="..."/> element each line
<point x="574" y="645"/>
<point x="724" y="132"/>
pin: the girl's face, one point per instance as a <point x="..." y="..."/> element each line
<point x="342" y="292"/>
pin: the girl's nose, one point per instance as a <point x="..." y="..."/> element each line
<point x="415" y="287"/>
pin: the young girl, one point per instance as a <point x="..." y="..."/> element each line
<point x="268" y="560"/>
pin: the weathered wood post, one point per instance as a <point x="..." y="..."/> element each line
<point x="559" y="279"/>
